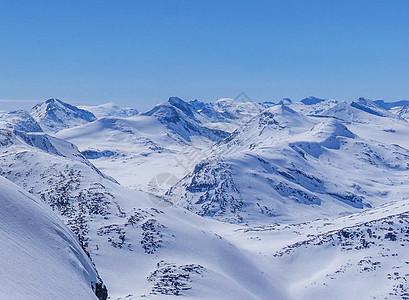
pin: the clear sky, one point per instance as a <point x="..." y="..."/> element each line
<point x="138" y="53"/>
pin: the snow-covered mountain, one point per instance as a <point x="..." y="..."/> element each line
<point x="159" y="136"/>
<point x="284" y="166"/>
<point x="40" y="257"/>
<point x="390" y="105"/>
<point x="228" y="114"/>
<point x="314" y="109"/>
<point x="401" y="111"/>
<point x="181" y="118"/>
<point x="54" y="115"/>
<point x="221" y="200"/>
<point x="311" y="100"/>
<point x="370" y="107"/>
<point x="110" y="110"/>
<point x="20" y="120"/>
<point x="397" y="108"/>
<point x="138" y="247"/>
<point x="285" y="101"/>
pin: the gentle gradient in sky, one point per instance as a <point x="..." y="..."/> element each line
<point x="138" y="53"/>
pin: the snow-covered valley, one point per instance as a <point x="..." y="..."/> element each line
<point x="215" y="200"/>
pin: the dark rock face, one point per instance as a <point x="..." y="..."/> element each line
<point x="101" y="291"/>
<point x="170" y="279"/>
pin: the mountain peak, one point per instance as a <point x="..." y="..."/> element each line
<point x="52" y="100"/>
<point x="182" y="105"/>
<point x="54" y="115"/>
<point x="311" y="100"/>
<point x="285" y="101"/>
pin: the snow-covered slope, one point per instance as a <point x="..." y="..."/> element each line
<point x="39" y="256"/>
<point x="313" y="109"/>
<point x="390" y="105"/>
<point x="161" y="140"/>
<point x="314" y="195"/>
<point x="397" y="108"/>
<point x="139" y="244"/>
<point x="180" y="117"/>
<point x="401" y="112"/>
<point x="54" y="115"/>
<point x="19" y="120"/>
<point x="283" y="166"/>
<point x="110" y="110"/>
<point x="228" y="114"/>
<point x="370" y="107"/>
<point x="360" y="256"/>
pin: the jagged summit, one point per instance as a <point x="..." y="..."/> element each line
<point x="182" y="105"/>
<point x="180" y="117"/>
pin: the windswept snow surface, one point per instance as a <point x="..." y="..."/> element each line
<point x="39" y="256"/>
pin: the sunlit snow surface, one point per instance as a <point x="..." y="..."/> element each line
<point x="226" y="200"/>
<point x="39" y="256"/>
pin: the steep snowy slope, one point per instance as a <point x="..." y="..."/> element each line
<point x="180" y="117"/>
<point x="110" y="110"/>
<point x="54" y="115"/>
<point x="20" y="120"/>
<point x="39" y="256"/>
<point x="139" y="244"/>
<point x="282" y="166"/>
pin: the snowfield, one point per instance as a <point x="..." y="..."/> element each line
<point x="40" y="257"/>
<point x="221" y="200"/>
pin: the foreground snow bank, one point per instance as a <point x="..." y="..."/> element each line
<point x="39" y="256"/>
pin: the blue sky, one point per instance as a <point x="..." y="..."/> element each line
<point x="138" y="53"/>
